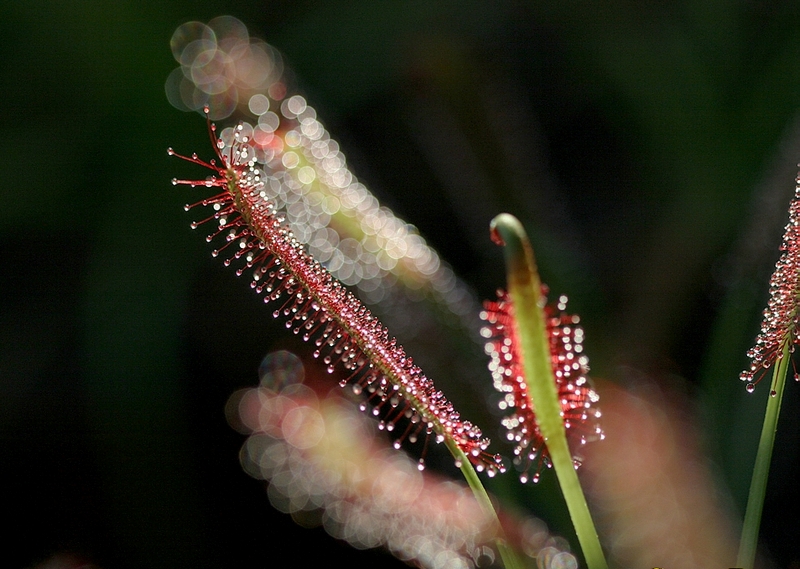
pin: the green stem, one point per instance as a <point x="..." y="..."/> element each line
<point x="507" y="553"/>
<point x="758" y="486"/>
<point x="524" y="287"/>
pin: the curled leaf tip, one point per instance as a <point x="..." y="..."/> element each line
<point x="504" y="228"/>
<point x="507" y="230"/>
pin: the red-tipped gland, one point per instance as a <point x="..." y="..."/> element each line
<point x="348" y="336"/>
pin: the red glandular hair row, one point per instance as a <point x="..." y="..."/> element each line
<point x="318" y="307"/>
<point x="779" y="326"/>
<point x="570" y="368"/>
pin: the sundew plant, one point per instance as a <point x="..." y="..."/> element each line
<point x="274" y="197"/>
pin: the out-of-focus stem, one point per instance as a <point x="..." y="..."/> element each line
<point x="758" y="485"/>
<point x="507" y="553"/>
<point x="525" y="290"/>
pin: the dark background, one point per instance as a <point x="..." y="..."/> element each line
<point x="649" y="147"/>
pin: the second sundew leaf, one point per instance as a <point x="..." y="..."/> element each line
<point x="576" y="396"/>
<point x="535" y="355"/>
